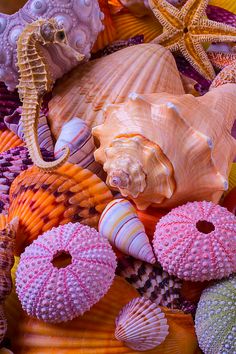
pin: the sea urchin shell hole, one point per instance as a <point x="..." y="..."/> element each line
<point x="205" y="226"/>
<point x="61" y="259"/>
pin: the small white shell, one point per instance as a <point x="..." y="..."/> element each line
<point x="141" y="325"/>
<point x="119" y="222"/>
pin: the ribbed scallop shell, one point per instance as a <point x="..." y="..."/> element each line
<point x="9" y="140"/>
<point x="89" y="88"/>
<point x="120" y="224"/>
<point x="151" y="281"/>
<point x="60" y="293"/>
<point x="140" y="138"/>
<point x="78" y="137"/>
<point x="3" y="221"/>
<point x="215" y="321"/>
<point x="43" y="200"/>
<point x="196" y="242"/>
<point x="141" y="325"/>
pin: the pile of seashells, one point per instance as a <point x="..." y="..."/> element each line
<point x="117" y="177"/>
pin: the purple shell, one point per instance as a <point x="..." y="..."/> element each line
<point x="9" y="101"/>
<point x="219" y="14"/>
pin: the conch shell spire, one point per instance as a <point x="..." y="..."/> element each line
<point x="35" y="81"/>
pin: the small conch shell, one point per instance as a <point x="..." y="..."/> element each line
<point x="164" y="150"/>
<point x="141" y="325"/>
<point x="119" y="222"/>
<point x="78" y="137"/>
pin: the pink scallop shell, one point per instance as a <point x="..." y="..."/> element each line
<point x="197" y="242"/>
<point x="55" y="294"/>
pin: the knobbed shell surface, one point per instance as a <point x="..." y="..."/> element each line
<point x="90" y="87"/>
<point x="165" y="153"/>
<point x="151" y="281"/>
<point x="215" y="318"/>
<point x="120" y="224"/>
<point x="43" y="200"/>
<point x="141" y="325"/>
<point x="196" y="242"/>
<point x="59" y="293"/>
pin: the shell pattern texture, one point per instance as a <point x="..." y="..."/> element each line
<point x="120" y="224"/>
<point x="43" y="200"/>
<point x="141" y="325"/>
<point x="151" y="281"/>
<point x="90" y="87"/>
<point x="164" y="153"/>
<point x="8" y="140"/>
<point x="58" y="293"/>
<point x="215" y="321"/>
<point x="80" y="18"/>
<point x="197" y="242"/>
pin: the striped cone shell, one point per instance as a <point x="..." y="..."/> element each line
<point x="43" y="200"/>
<point x="141" y="325"/>
<point x="119" y="223"/>
<point x="151" y="281"/>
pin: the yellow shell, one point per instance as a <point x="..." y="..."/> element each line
<point x="229" y="5"/>
<point x="9" y="140"/>
<point x="232" y="178"/>
<point x="90" y="87"/>
<point x="165" y="150"/>
<point x="43" y="200"/>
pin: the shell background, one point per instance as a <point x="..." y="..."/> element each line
<point x="215" y="318"/>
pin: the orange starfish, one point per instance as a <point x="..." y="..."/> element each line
<point x="187" y="28"/>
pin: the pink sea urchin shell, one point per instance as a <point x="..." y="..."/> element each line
<point x="60" y="293"/>
<point x="197" y="242"/>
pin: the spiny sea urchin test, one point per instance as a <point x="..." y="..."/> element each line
<point x="216" y="318"/>
<point x="65" y="272"/>
<point x="196" y="242"/>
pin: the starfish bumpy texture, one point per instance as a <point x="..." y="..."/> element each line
<point x="187" y="28"/>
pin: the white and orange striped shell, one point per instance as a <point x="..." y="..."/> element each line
<point x="164" y="150"/>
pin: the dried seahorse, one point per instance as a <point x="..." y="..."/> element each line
<point x="35" y="81"/>
<point x="7" y="242"/>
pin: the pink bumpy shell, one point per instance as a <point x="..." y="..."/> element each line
<point x="58" y="294"/>
<point x="197" y="242"/>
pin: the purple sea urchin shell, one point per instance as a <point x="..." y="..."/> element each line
<point x="197" y="242"/>
<point x="60" y="293"/>
<point x="80" y="18"/>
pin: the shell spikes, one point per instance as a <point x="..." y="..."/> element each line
<point x="141" y="325"/>
<point x="119" y="222"/>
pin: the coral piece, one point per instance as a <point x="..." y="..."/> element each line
<point x="139" y="141"/>
<point x="60" y="292"/>
<point x="81" y="20"/>
<point x="230" y="201"/>
<point x="141" y="325"/>
<point x="186" y="29"/>
<point x="215" y="318"/>
<point x="197" y="242"/>
<point x="9" y="140"/>
<point x="9" y="101"/>
<point x="35" y="81"/>
<point x="226" y="76"/>
<point x="151" y="281"/>
<point x="220" y="59"/>
<point x="120" y="224"/>
<point x="78" y="137"/>
<point x="43" y="200"/>
<point x="87" y="90"/>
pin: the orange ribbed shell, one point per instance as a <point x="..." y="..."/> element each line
<point x="43" y="200"/>
<point x="9" y="140"/>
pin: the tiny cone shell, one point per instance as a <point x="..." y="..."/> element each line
<point x="120" y="224"/>
<point x="89" y="88"/>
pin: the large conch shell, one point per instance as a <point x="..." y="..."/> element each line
<point x="164" y="150"/>
<point x="90" y="87"/>
<point x="120" y="224"/>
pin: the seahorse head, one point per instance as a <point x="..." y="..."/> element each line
<point x="51" y="32"/>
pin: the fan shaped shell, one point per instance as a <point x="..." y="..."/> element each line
<point x="215" y="318"/>
<point x="60" y="293"/>
<point x="120" y="224"/>
<point x="9" y="140"/>
<point x="197" y="242"/>
<point x="89" y="88"/>
<point x="43" y="200"/>
<point x="141" y="325"/>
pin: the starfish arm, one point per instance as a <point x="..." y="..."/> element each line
<point x="193" y="51"/>
<point x="167" y="14"/>
<point x="169" y="40"/>
<point x="194" y="10"/>
<point x="211" y="31"/>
